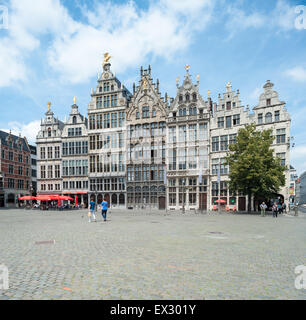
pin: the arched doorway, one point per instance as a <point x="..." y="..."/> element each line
<point x="107" y="197"/>
<point x="11" y="199"/>
<point x="114" y="199"/>
<point x="121" y="199"/>
<point x="99" y="198"/>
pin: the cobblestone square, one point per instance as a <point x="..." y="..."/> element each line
<point x="151" y="255"/>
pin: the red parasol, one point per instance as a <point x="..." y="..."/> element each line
<point x="220" y="201"/>
<point x="28" y="198"/>
<point x="64" y="198"/>
<point x="45" y="198"/>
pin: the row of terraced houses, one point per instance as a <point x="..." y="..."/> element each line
<point x="140" y="149"/>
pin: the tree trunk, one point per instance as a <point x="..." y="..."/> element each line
<point x="249" y="202"/>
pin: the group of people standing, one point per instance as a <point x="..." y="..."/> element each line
<point x="92" y="207"/>
<point x="277" y="208"/>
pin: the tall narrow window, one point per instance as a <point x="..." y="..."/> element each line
<point x="268" y="117"/>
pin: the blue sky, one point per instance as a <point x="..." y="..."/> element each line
<point x="52" y="51"/>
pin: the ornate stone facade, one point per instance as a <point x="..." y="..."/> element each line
<point x="228" y="117"/>
<point x="75" y="157"/>
<point x="49" y="158"/>
<point x="149" y="151"/>
<point x="146" y="145"/>
<point x="107" y="139"/>
<point x="188" y="126"/>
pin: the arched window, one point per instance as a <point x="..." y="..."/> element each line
<point x="182" y="112"/>
<point x="180" y="98"/>
<point x="74" y="120"/>
<point x="192" y="111"/>
<point x="49" y="132"/>
<point x="153" y="113"/>
<point x="268" y="117"/>
<point x="194" y="97"/>
<point x="187" y="97"/>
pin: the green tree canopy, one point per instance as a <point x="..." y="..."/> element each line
<point x="253" y="168"/>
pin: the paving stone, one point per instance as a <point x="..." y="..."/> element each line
<point x="178" y="256"/>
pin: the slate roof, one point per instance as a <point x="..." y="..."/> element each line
<point x="4" y="136"/>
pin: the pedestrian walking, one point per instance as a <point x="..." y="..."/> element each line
<point x="104" y="205"/>
<point x="284" y="207"/>
<point x="274" y="210"/>
<point x="263" y="208"/>
<point x="279" y="208"/>
<point x="91" y="212"/>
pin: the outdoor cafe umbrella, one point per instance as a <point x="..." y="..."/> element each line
<point x="44" y="198"/>
<point x="27" y="198"/>
<point x="220" y="201"/>
<point x="59" y="198"/>
<point x="64" y="198"/>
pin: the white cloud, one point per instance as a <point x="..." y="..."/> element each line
<point x="75" y="49"/>
<point x="28" y="21"/>
<point x="297" y="73"/>
<point x="129" y="34"/>
<point x="281" y="18"/>
<point x="28" y="130"/>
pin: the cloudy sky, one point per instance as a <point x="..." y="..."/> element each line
<point x="52" y="50"/>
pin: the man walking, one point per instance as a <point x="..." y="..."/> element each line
<point x="91" y="213"/>
<point x="104" y="205"/>
<point x="274" y="210"/>
<point x="263" y="208"/>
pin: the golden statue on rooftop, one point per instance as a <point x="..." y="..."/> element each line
<point x="107" y="57"/>
<point x="145" y="84"/>
<point x="49" y="106"/>
<point x="187" y="67"/>
<point x="74" y="100"/>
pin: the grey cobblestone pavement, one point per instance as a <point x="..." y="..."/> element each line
<point x="157" y="255"/>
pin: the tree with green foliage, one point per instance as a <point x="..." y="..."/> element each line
<point x="253" y="169"/>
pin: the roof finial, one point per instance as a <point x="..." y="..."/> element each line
<point x="74" y="100"/>
<point x="49" y="106"/>
<point x="106" y="59"/>
<point x="208" y="93"/>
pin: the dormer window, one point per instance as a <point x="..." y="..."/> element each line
<point x="194" y="97"/>
<point x="268" y="102"/>
<point x="106" y="86"/>
<point x="187" y="97"/>
<point x="180" y="98"/>
<point x="74" y="120"/>
<point x="100" y="89"/>
<point x="49" y="132"/>
<point x="112" y="87"/>
<point x="228" y="105"/>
